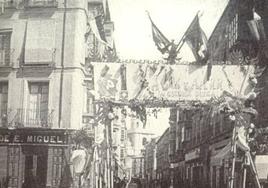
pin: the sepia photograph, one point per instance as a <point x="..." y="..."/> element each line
<point x="133" y="94"/>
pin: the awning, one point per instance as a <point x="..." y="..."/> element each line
<point x="261" y="162"/>
<point x="222" y="154"/>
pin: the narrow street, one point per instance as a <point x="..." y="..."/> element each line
<point x="133" y="94"/>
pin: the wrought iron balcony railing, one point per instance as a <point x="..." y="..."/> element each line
<point x="6" y="57"/>
<point x="4" y="117"/>
<point x="10" y="3"/>
<point x="41" y="3"/>
<point x="27" y="118"/>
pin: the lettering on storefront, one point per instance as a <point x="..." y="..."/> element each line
<point x="41" y="139"/>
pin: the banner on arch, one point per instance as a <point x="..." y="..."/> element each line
<point x="117" y="81"/>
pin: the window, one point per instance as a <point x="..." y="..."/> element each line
<point x="5" y="48"/>
<point x="3" y="103"/>
<point x="89" y="103"/>
<point x="122" y="135"/>
<point x="122" y="153"/>
<point x="182" y="134"/>
<point x="233" y="31"/>
<point x="188" y="134"/>
<point x="144" y="141"/>
<point x="37" y="112"/>
<point x="108" y="33"/>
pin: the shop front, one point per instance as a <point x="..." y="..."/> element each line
<point x="194" y="169"/>
<point x="34" y="157"/>
<point x="221" y="165"/>
<point x="178" y="170"/>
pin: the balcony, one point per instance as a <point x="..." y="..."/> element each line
<point x="40" y="3"/>
<point x="95" y="1"/>
<point x="3" y="118"/>
<point x="6" y="57"/>
<point x="10" y="3"/>
<point x="27" y="118"/>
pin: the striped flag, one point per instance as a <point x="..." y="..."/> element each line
<point x="161" y="42"/>
<point x="256" y="27"/>
<point x="197" y="40"/>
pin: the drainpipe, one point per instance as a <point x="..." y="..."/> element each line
<point x="62" y="63"/>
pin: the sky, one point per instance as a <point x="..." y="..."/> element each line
<point x="159" y="123"/>
<point x="133" y="37"/>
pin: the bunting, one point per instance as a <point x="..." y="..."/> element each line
<point x="96" y="26"/>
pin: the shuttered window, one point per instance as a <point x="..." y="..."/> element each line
<point x="233" y="31"/>
<point x="5" y="48"/>
<point x="40" y="42"/>
<point x="37" y="112"/>
<point x="3" y="103"/>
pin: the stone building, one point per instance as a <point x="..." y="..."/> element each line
<point x="45" y="84"/>
<point x="150" y="163"/>
<point x="138" y="136"/>
<point x="119" y="144"/>
<point x="162" y="160"/>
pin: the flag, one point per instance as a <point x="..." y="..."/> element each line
<point x="161" y="42"/>
<point x="111" y="54"/>
<point x="100" y="23"/>
<point x="197" y="40"/>
<point x="256" y="29"/>
<point x="258" y="33"/>
<point x="100" y="45"/>
<point x="107" y="83"/>
<point x="96" y="27"/>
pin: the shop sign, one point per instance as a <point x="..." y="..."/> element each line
<point x="33" y="138"/>
<point x="194" y="154"/>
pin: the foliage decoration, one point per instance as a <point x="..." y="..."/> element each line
<point x="83" y="138"/>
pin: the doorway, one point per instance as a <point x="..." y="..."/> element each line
<point x="35" y="169"/>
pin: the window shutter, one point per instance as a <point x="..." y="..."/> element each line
<point x="40" y="42"/>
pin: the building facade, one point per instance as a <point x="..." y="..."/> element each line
<point x="162" y="160"/>
<point x="150" y="163"/>
<point x="45" y="82"/>
<point x="138" y="136"/>
<point x="119" y="144"/>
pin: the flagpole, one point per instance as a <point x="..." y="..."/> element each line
<point x="234" y="158"/>
<point x="245" y="172"/>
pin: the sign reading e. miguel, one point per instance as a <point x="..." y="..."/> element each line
<point x="32" y="138"/>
